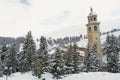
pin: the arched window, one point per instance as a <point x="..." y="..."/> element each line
<point x="91" y="19"/>
<point x="89" y="28"/>
<point x="94" y="18"/>
<point x="95" y="28"/>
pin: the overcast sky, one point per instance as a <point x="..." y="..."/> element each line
<point x="42" y="17"/>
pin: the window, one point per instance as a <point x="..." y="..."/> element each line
<point x="95" y="28"/>
<point x="94" y="18"/>
<point x="89" y="28"/>
<point x="91" y="19"/>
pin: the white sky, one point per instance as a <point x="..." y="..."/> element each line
<point x="42" y="17"/>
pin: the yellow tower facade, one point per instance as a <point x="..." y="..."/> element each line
<point x="93" y="31"/>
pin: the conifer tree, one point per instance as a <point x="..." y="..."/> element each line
<point x="91" y="60"/>
<point x="76" y="59"/>
<point x="86" y="60"/>
<point x="119" y="43"/>
<point x="42" y="59"/>
<point x="57" y="64"/>
<point x="68" y="54"/>
<point x="72" y="60"/>
<point x="69" y="59"/>
<point x="3" y="57"/>
<point x="112" y="54"/>
<point x="28" y="53"/>
<point x="12" y="62"/>
<point x="1" y="69"/>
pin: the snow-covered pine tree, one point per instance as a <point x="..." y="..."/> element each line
<point x="1" y="69"/>
<point x="28" y="53"/>
<point x="72" y="60"/>
<point x="87" y="62"/>
<point x="43" y="53"/>
<point x="76" y="59"/>
<point x="12" y="62"/>
<point x="35" y="69"/>
<point x="119" y="43"/>
<point x="42" y="61"/>
<point x="95" y="59"/>
<point x="69" y="59"/>
<point x="111" y="51"/>
<point x="3" y="56"/>
<point x="91" y="61"/>
<point x="57" y="64"/>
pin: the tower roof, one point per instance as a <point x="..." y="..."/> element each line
<point x="92" y="12"/>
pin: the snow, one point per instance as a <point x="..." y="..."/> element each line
<point x="19" y="76"/>
<point x="94" y="76"/>
<point x="27" y="76"/>
<point x="103" y="37"/>
<point x="92" y="13"/>
<point x="21" y="47"/>
<point x="80" y="76"/>
<point x="83" y="43"/>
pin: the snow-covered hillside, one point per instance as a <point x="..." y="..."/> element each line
<point x="83" y="42"/>
<point x="80" y="76"/>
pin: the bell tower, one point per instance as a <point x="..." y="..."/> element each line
<point x="93" y="32"/>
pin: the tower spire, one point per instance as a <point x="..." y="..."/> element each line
<point x="91" y="9"/>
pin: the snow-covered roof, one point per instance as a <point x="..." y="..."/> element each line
<point x="92" y="13"/>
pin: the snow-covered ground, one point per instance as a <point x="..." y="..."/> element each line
<point x="94" y="76"/>
<point x="80" y="76"/>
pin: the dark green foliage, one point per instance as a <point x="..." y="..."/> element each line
<point x="76" y="59"/>
<point x="12" y="62"/>
<point x="68" y="59"/>
<point x="111" y="52"/>
<point x="57" y="64"/>
<point x="42" y="59"/>
<point x="118" y="43"/>
<point x="28" y="53"/>
<point x="1" y="69"/>
<point x="72" y="60"/>
<point x="3" y="57"/>
<point x="91" y="61"/>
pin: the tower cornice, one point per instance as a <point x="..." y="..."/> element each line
<point x="93" y="23"/>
